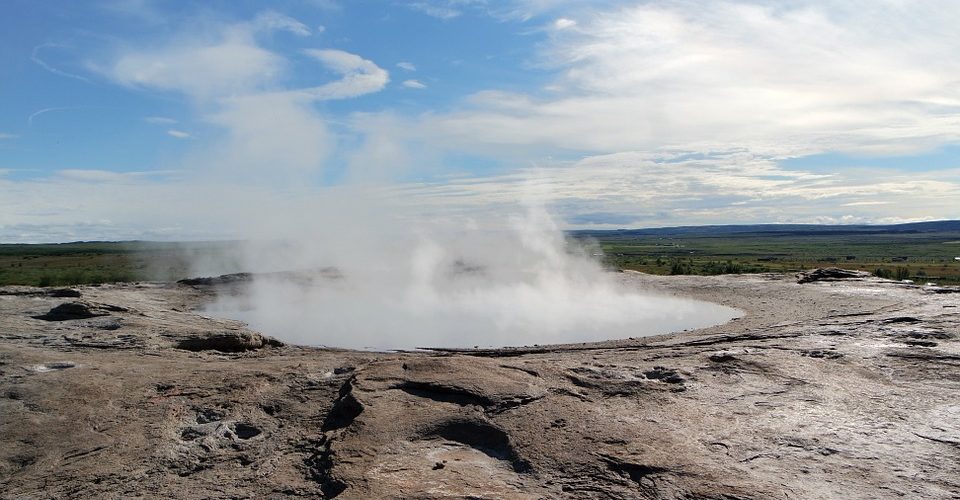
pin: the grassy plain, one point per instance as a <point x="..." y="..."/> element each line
<point x="921" y="252"/>
<point x="92" y="262"/>
<point x="918" y="255"/>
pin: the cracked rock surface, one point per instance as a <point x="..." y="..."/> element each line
<point x="828" y="389"/>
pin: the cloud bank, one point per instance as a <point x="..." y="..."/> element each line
<point x="783" y="79"/>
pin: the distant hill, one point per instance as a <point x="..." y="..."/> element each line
<point x="778" y="229"/>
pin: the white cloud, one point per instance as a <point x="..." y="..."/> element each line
<point x="635" y="189"/>
<point x="444" y="12"/>
<point x="272" y="135"/>
<point x="228" y="61"/>
<point x="231" y="63"/>
<point x="179" y="134"/>
<point x="414" y="84"/>
<point x="5" y="136"/>
<point x="271" y="21"/>
<point x="324" y="4"/>
<point x="790" y="79"/>
<point x="321" y="28"/>
<point x="619" y="190"/>
<point x="741" y="82"/>
<point x="229" y="66"/>
<point x="564" y="23"/>
<point x="271" y="138"/>
<point x="408" y="66"/>
<point x="159" y="120"/>
<point x="359" y="76"/>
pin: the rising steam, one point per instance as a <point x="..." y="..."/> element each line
<point x="346" y="261"/>
<point x="451" y="288"/>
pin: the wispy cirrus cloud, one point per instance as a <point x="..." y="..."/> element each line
<point x="274" y="21"/>
<point x="36" y="114"/>
<point x="159" y="120"/>
<point x="35" y="56"/>
<point x="179" y="134"/>
<point x="414" y="84"/>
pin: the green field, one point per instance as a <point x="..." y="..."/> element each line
<point x="923" y="252"/>
<point x="94" y="262"/>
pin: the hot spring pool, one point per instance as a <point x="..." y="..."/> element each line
<point x="501" y="316"/>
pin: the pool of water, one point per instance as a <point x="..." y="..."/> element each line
<point x="504" y="316"/>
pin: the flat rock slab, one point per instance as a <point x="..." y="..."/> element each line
<point x="830" y="389"/>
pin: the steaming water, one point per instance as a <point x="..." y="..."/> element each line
<point x="396" y="288"/>
<point x="341" y="313"/>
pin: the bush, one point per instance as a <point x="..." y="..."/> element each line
<point x="728" y="267"/>
<point x="677" y="267"/>
<point x="902" y="273"/>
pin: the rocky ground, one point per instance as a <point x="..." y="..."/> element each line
<point x="829" y="389"/>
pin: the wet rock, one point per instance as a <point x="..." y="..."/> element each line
<point x="73" y="310"/>
<point x="223" y="279"/>
<point x="830" y="274"/>
<point x="663" y="374"/>
<point x="304" y="277"/>
<point x="722" y="357"/>
<point x="227" y="342"/>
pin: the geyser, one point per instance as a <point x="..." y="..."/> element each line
<point x="459" y="288"/>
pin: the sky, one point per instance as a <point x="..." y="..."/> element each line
<point x="174" y="120"/>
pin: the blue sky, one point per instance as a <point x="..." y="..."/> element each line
<point x="120" y="116"/>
